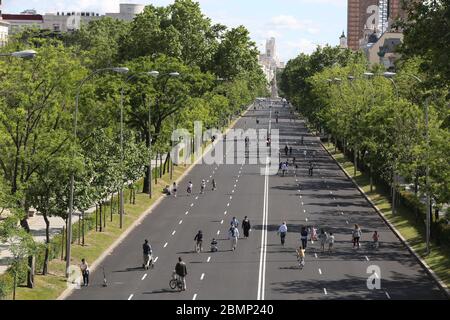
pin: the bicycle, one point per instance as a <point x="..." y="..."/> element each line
<point x="176" y="282"/>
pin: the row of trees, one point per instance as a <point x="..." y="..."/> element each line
<point x="219" y="74"/>
<point x="384" y="132"/>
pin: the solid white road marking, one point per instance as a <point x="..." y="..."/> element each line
<point x="320" y="271"/>
<point x="174" y="231"/>
<point x="145" y="276"/>
<point x="165" y="245"/>
<point x="202" y="277"/>
<point x="195" y="297"/>
<point x="130" y="297"/>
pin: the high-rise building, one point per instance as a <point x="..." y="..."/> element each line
<point x="4" y="27"/>
<point x="362" y="14"/>
<point x="366" y="17"/>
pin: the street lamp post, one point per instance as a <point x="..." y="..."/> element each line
<point x="391" y="75"/>
<point x="72" y="178"/>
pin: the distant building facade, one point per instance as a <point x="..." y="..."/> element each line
<point x="4" y="29"/>
<point x="270" y="63"/>
<point x="65" y="21"/>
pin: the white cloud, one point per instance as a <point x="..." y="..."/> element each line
<point x="286" y="22"/>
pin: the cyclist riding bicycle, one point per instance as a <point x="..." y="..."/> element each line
<point x="189" y="188"/>
<point x="198" y="241"/>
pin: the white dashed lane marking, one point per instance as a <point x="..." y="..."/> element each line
<point x="202" y="277"/>
<point x="187" y="212"/>
<point x="165" y="245"/>
<point x="388" y="296"/>
<point x="221" y="222"/>
<point x="367" y="258"/>
<point x="320" y="271"/>
<point x="181" y="221"/>
<point x="195" y="297"/>
<point x="218" y="232"/>
<point x="130" y="297"/>
<point x="192" y="204"/>
<point x="325" y="291"/>
<point x="156" y="259"/>
<point x="208" y="260"/>
<point x="173" y="233"/>
<point x="145" y="276"/>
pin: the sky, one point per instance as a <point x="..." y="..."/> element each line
<point x="298" y="25"/>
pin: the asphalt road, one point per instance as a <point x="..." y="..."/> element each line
<point x="261" y="268"/>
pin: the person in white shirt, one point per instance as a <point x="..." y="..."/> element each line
<point x="233" y="235"/>
<point x="282" y="231"/>
<point x="84" y="267"/>
<point x="330" y="241"/>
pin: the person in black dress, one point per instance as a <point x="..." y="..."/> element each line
<point x="246" y="227"/>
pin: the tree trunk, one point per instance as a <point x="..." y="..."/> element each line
<point x="47" y="242"/>
<point x="101" y="222"/>
<point x="30" y="277"/>
<point x="96" y="218"/>
<point x="111" y="203"/>
<point x="160" y="166"/>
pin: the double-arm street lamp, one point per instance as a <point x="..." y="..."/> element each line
<point x="120" y="70"/>
<point x="391" y="76"/>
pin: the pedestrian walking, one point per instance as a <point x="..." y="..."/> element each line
<point x="233" y="235"/>
<point x="313" y="234"/>
<point x="84" y="267"/>
<point x="290" y="151"/>
<point x="301" y="257"/>
<point x="356" y="236"/>
<point x="284" y="168"/>
<point x="234" y="222"/>
<point x="305" y="153"/>
<point x="286" y="150"/>
<point x="311" y="169"/>
<point x="323" y="239"/>
<point x="181" y="271"/>
<point x="330" y="241"/>
<point x="282" y="231"/>
<point x="376" y="239"/>
<point x="174" y="189"/>
<point x="214" y="185"/>
<point x="304" y="237"/>
<point x="246" y="227"/>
